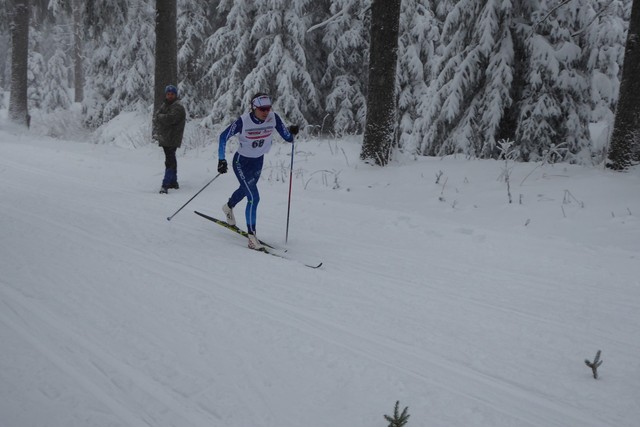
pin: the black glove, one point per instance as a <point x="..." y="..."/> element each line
<point x="294" y="129"/>
<point x="222" y="166"/>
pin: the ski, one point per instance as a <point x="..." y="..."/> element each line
<point x="269" y="249"/>
<point x="270" y="252"/>
<point x="231" y="227"/>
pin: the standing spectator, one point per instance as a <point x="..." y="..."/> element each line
<point x="168" y="127"/>
<point x="254" y="131"/>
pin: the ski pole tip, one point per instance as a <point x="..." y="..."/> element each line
<point x="168" y="218"/>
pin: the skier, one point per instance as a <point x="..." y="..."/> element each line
<point x="254" y="130"/>
<point x="168" y="127"/>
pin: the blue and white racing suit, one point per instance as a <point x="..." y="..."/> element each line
<point x="255" y="138"/>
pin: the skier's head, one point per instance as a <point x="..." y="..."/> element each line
<point x="261" y="105"/>
<point x="261" y="101"/>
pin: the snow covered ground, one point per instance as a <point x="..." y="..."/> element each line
<point x="467" y="309"/>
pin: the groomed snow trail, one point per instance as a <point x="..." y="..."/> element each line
<point x="112" y="316"/>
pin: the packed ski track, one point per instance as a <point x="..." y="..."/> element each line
<point x="468" y="310"/>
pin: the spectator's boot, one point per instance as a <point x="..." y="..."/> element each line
<point x="174" y="184"/>
<point x="169" y="177"/>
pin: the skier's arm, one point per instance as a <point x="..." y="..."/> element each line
<point x="233" y="129"/>
<point x="282" y="130"/>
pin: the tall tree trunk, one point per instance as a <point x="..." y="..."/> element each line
<point x="18" y="108"/>
<point x="78" y="69"/>
<point x="166" y="71"/>
<point x="625" y="141"/>
<point x="380" y="127"/>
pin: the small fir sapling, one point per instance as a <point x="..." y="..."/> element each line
<point x="398" y="419"/>
<point x="595" y="365"/>
<point x="507" y="153"/>
<point x="441" y="198"/>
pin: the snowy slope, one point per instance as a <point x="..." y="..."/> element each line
<point x="469" y="310"/>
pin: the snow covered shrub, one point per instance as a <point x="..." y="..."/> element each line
<point x="130" y="129"/>
<point x="328" y="178"/>
<point x="56" y="93"/>
<point x="196" y="137"/>
<point x="62" y="124"/>
<point x="551" y="155"/>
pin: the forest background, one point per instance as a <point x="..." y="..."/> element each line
<point x="470" y="72"/>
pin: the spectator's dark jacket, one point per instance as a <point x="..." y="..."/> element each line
<point x="168" y="124"/>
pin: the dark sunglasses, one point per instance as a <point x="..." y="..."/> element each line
<point x="264" y="109"/>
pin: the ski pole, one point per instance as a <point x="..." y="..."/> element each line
<point x="176" y="213"/>
<point x="286" y="238"/>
